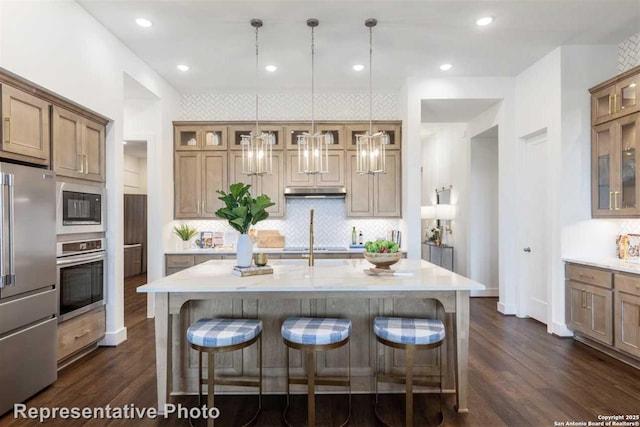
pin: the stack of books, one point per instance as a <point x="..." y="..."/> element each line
<point x="253" y="270"/>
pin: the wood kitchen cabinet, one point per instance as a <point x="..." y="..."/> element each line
<point x="616" y="97"/>
<point x="335" y="177"/>
<point x="175" y="263"/>
<point x="615" y="153"/>
<point x="270" y="184"/>
<point x="198" y="175"/>
<point x="627" y="313"/>
<point x="79" y="146"/>
<point x="378" y="195"/>
<point x="25" y="126"/>
<point x="393" y="129"/>
<point x="194" y="137"/>
<point x="293" y="131"/>
<point x="80" y="333"/>
<point x="237" y="130"/>
<point x="590" y="302"/>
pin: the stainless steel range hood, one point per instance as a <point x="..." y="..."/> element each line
<point x="315" y="193"/>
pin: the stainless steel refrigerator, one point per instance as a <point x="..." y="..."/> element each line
<point x="28" y="303"/>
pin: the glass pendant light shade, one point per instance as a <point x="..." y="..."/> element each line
<point x="370" y="146"/>
<point x="313" y="147"/>
<point x="257" y="147"/>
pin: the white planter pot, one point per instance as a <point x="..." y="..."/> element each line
<point x="185" y="245"/>
<point x="244" y="251"/>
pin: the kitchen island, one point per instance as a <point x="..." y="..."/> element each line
<point x="333" y="288"/>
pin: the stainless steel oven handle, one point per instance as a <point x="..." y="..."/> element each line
<point x="79" y="259"/>
<point x="12" y="246"/>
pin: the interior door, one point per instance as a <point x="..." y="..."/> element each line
<point x="533" y="221"/>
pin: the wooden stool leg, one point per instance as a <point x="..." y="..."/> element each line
<point x="311" y="387"/>
<point x="210" y="386"/>
<point x="409" y="386"/>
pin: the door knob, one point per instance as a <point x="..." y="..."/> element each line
<point x="527" y="249"/>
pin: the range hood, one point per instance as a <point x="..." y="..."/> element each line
<point x="315" y="193"/>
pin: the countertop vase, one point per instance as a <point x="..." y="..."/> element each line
<point x="244" y="251"/>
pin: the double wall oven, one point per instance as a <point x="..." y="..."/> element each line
<point x="81" y="249"/>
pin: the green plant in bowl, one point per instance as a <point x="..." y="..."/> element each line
<point x="382" y="253"/>
<point x="185" y="232"/>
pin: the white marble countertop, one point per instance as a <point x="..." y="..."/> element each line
<point x="232" y="251"/>
<point x="327" y="276"/>
<point x="610" y="263"/>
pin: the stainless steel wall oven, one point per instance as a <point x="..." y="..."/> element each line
<point x="81" y="277"/>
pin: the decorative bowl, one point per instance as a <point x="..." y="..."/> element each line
<point x="382" y="260"/>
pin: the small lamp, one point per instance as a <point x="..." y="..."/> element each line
<point x="446" y="212"/>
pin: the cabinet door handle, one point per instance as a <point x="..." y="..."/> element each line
<point x="615" y="200"/>
<point x="615" y="103"/>
<point x="85" y="332"/>
<point x="610" y="200"/>
<point x="588" y="293"/>
<point x="86" y="163"/>
<point x="7" y="120"/>
<point x="81" y="163"/>
<point x="610" y="98"/>
<point x="198" y="207"/>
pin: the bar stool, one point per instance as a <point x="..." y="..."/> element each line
<point x="213" y="336"/>
<point x="409" y="335"/>
<point x="310" y="335"/>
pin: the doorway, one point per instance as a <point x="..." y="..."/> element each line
<point x="135" y="224"/>
<point x="534" y="223"/>
<point x="483" y="210"/>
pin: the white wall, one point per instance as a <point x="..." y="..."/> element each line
<point x="445" y="153"/>
<point x="135" y="175"/>
<point x="483" y="213"/>
<point x="59" y="46"/>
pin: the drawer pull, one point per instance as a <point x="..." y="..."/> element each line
<point x="85" y="332"/>
<point x="181" y="263"/>
<point x="587" y="277"/>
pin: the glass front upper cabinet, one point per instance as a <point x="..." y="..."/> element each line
<point x="625" y="196"/>
<point x="602" y="197"/>
<point x="236" y="132"/>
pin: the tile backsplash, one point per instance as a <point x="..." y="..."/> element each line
<point x="331" y="226"/>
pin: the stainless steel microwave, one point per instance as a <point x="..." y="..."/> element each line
<point x="80" y="208"/>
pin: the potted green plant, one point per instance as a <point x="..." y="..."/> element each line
<point x="185" y="233"/>
<point x="242" y="211"/>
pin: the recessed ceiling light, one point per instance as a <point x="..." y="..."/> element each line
<point x="271" y="68"/>
<point x="183" y="67"/>
<point x="358" y="67"/>
<point x="144" y="23"/>
<point x="484" y="21"/>
<point x="446" y="67"/>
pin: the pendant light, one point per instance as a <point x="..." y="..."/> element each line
<point x="257" y="155"/>
<point x="371" y="146"/>
<point x="313" y="147"/>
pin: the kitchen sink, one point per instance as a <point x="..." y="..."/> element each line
<point x="304" y="261"/>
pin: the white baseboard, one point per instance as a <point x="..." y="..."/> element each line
<point x="489" y="292"/>
<point x="507" y="310"/>
<point x="112" y="339"/>
<point x="561" y="330"/>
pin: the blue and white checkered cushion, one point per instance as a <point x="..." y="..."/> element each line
<point x="409" y="331"/>
<point x="223" y="332"/>
<point x="318" y="331"/>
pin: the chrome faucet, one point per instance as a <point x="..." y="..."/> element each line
<point x="310" y="255"/>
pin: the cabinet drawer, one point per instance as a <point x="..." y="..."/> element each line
<point x="180" y="261"/>
<point x="627" y="283"/>
<point x="79" y="332"/>
<point x="593" y="276"/>
<point x="204" y="258"/>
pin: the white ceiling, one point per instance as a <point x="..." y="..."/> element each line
<point x="454" y="110"/>
<point x="412" y="38"/>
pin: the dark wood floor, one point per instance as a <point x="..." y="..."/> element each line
<point x="518" y="376"/>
